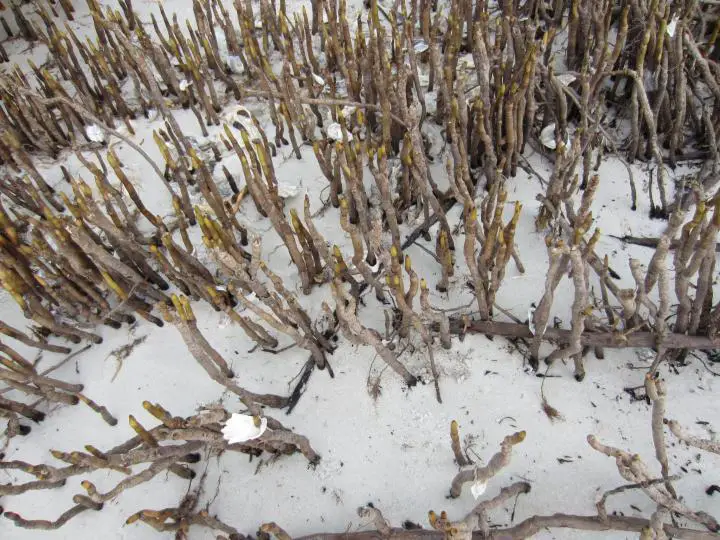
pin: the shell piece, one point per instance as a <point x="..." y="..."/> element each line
<point x="467" y="62"/>
<point x="287" y="190"/>
<point x="241" y="118"/>
<point x="420" y="46"/>
<point x="672" y="26"/>
<point x="221" y="39"/>
<point x="531" y="322"/>
<point x="566" y="78"/>
<point x="232" y="61"/>
<point x="184" y="85"/>
<point x="334" y="132"/>
<point x="94" y="133"/>
<point x="478" y="488"/>
<point x="235" y="64"/>
<point x="318" y="79"/>
<point x="547" y="137"/>
<point x="243" y="427"/>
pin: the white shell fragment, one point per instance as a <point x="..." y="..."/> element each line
<point x="478" y="488"/>
<point x="287" y="190"/>
<point x="184" y="85"/>
<point x="235" y="64"/>
<point x="547" y="137"/>
<point x="232" y="61"/>
<point x="531" y="322"/>
<point x="334" y="132"/>
<point x="467" y="61"/>
<point x="94" y="133"/>
<point x="241" y="118"/>
<point x="242" y="427"/>
<point x="318" y="79"/>
<point x="420" y="46"/>
<point x="221" y="39"/>
<point x="672" y="26"/>
<point x="566" y="78"/>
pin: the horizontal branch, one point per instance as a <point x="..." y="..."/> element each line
<point x="527" y="529"/>
<point x="616" y="340"/>
<point x="43" y="524"/>
<point x="30" y="342"/>
<point x="651" y="242"/>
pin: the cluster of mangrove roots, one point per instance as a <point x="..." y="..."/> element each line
<point x="407" y="112"/>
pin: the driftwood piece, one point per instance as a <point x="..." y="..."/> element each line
<point x="30" y="342"/>
<point x="526" y="529"/>
<point x="651" y="242"/>
<point x="612" y="340"/>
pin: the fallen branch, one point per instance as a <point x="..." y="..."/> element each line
<point x="45" y="525"/>
<point x="651" y="242"/>
<point x="612" y="340"/>
<point x="526" y="529"/>
<point x="703" y="444"/>
<point x="23" y="338"/>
